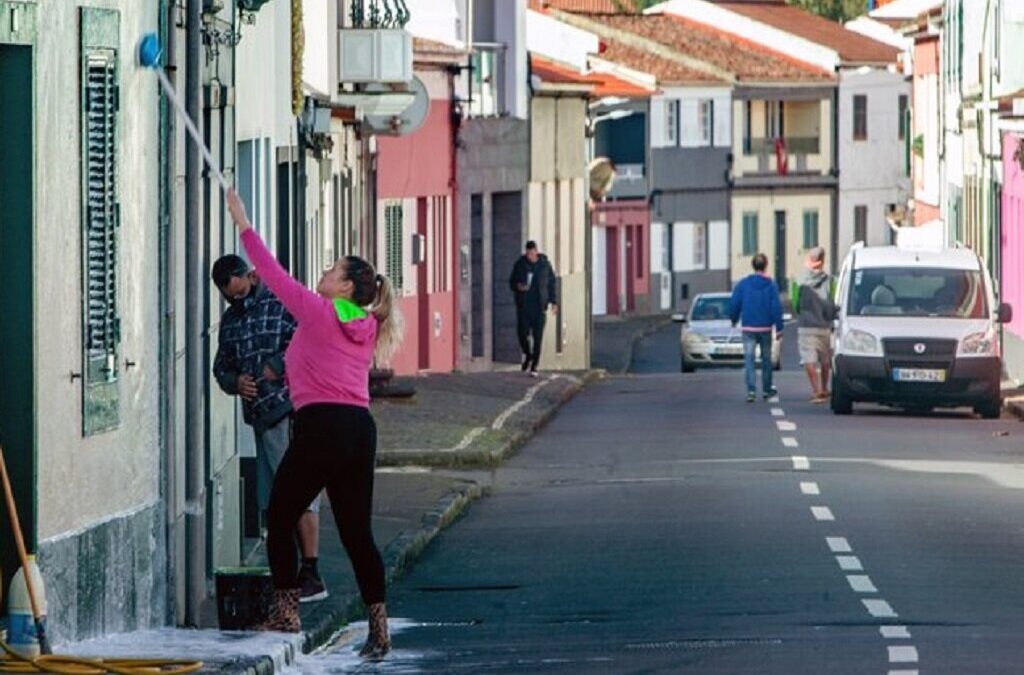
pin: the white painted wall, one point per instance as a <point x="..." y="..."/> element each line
<point x="441" y="20"/>
<point x="320" y="57"/>
<point x="718" y="245"/>
<point x="713" y="15"/>
<point x="559" y="41"/>
<point x="75" y="473"/>
<point x="688" y="132"/>
<point x="876" y="30"/>
<point x="871" y="172"/>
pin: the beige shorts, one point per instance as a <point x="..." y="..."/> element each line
<point x="815" y="346"/>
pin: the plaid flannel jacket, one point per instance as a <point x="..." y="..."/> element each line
<point x="254" y="334"/>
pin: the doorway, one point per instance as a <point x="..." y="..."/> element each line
<point x="17" y="395"/>
<point x="422" y="284"/>
<point x="780" y="249"/>
<point x="506" y="247"/>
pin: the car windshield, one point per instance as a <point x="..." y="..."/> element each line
<point x="710" y="309"/>
<point x="918" y="292"/>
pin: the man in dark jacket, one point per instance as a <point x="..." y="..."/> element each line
<point x="815" y="311"/>
<point x="535" y="287"/>
<point x="755" y="304"/>
<point x="254" y="334"/>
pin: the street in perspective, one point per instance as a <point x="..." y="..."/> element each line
<point x="511" y="336"/>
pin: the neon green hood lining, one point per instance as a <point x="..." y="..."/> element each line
<point x="348" y="310"/>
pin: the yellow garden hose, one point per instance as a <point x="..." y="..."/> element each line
<point x="13" y="662"/>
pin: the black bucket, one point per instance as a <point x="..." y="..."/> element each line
<point x="244" y="595"/>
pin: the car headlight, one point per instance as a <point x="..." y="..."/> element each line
<point x="695" y="339"/>
<point x="860" y="342"/>
<point x="979" y="344"/>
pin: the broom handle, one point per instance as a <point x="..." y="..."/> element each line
<point x="12" y="511"/>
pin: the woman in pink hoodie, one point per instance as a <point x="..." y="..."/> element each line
<point x="342" y="327"/>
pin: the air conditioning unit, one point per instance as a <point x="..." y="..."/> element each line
<point x="374" y="55"/>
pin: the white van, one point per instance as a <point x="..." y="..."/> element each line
<point x="917" y="329"/>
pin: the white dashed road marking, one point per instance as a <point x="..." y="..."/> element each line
<point x="902" y="654"/>
<point x="861" y="583"/>
<point x="789" y="442"/>
<point x="895" y="632"/>
<point x="810" y="488"/>
<point x="800" y="463"/>
<point x="902" y="672"/>
<point x="822" y="513"/>
<point x="849" y="563"/>
<point x="785" y="425"/>
<point x="838" y="545"/>
<point x="879" y="609"/>
<point x="778" y="412"/>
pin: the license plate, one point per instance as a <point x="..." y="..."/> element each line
<point x="730" y="351"/>
<point x="918" y="375"/>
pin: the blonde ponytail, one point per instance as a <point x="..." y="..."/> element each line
<point x="391" y="326"/>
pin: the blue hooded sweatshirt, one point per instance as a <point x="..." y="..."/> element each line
<point x="755" y="303"/>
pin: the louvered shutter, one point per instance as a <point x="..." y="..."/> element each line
<point x="101" y="324"/>
<point x="393" y="240"/>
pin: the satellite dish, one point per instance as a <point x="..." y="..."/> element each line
<point x="407" y="120"/>
<point x="602" y="177"/>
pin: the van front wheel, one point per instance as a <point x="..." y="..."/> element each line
<point x="842" y="404"/>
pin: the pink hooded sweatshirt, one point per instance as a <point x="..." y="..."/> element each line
<point x="329" y="358"/>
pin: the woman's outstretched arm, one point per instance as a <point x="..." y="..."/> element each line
<point x="301" y="302"/>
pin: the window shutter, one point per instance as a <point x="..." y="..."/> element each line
<point x="689" y="123"/>
<point x="659" y="108"/>
<point x="723" y="121"/>
<point x="394" y="238"/>
<point x="101" y="323"/>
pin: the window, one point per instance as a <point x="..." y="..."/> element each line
<point x="672" y="122"/>
<point x="860" y="117"/>
<point x="639" y="267"/>
<point x="394" y="236"/>
<point x="904" y="117"/>
<point x="747" y="131"/>
<point x="810" y="228"/>
<point x="700" y="245"/>
<point x="860" y="223"/>
<point x="750" y="234"/>
<point x="898" y="292"/>
<point x="101" y="324"/>
<point x="707" y="121"/>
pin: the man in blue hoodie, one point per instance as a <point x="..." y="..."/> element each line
<point x="756" y="305"/>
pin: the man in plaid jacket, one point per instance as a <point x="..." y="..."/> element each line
<point x="254" y="334"/>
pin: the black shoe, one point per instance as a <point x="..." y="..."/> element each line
<point x="311" y="586"/>
<point x="526" y="363"/>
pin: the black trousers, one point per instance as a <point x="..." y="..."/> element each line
<point x="530" y="327"/>
<point x="333" y="447"/>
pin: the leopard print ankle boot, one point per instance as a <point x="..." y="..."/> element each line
<point x="378" y="643"/>
<point x="283" y="614"/>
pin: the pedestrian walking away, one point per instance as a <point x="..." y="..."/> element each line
<point x="755" y="305"/>
<point x="812" y="298"/>
<point x="254" y="333"/>
<point x="534" y="285"/>
<point x="342" y="328"/>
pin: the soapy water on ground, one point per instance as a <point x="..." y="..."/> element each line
<point x="218" y="649"/>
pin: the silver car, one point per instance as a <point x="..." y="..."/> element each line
<point x="708" y="337"/>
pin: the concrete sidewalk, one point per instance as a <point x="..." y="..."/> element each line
<point x="614" y="339"/>
<point x="429" y="448"/>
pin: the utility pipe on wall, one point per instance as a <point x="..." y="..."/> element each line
<point x="195" y="464"/>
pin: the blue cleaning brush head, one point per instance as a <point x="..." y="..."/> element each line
<point x="150" y="51"/>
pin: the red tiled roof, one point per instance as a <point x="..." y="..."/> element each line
<point x="746" y="60"/>
<point x="850" y="45"/>
<point x="426" y="47"/>
<point x="665" y="71"/>
<point x="590" y="6"/>
<point x="604" y="84"/>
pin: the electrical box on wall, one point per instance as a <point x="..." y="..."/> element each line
<point x="419" y="249"/>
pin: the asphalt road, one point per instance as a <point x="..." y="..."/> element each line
<point x="660" y="524"/>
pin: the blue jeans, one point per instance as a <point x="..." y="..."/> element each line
<point x="751" y="341"/>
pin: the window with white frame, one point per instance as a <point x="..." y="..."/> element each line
<point x="672" y="122"/>
<point x="700" y="245"/>
<point x="706" y="121"/>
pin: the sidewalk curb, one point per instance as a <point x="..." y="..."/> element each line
<point x="398" y="556"/>
<point x="1015" y="407"/>
<point x="640" y="334"/>
<point x="483" y="457"/>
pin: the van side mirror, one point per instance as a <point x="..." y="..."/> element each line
<point x="679" y="318"/>
<point x="1005" y="313"/>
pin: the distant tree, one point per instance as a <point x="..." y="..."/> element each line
<point x="837" y="10"/>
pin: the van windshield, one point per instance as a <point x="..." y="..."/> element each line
<point x="918" y="292"/>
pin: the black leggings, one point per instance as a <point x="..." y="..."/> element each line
<point x="333" y="447"/>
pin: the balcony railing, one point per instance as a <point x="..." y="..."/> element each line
<point x="385" y="14"/>
<point x="487" y="80"/>
<point x="794" y="145"/>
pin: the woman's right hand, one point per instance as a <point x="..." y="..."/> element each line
<point x="237" y="210"/>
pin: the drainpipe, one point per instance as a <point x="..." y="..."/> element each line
<point x="195" y="465"/>
<point x="166" y="303"/>
<point x="838" y="174"/>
